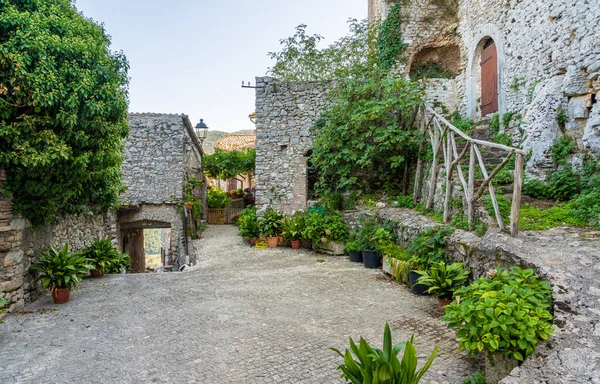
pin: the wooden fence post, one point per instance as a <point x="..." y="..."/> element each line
<point x="516" y="198"/>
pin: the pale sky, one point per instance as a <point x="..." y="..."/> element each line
<point x="191" y="56"/>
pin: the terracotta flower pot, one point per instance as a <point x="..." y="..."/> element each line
<point x="189" y="205"/>
<point x="295" y="244"/>
<point x="98" y="272"/>
<point x="442" y="303"/>
<point x="273" y="241"/>
<point x="252" y="241"/>
<point x="60" y="295"/>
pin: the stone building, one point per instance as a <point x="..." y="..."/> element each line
<point x="285" y="114"/>
<point x="535" y="61"/>
<point x="161" y="153"/>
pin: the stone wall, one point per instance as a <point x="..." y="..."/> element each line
<point x="20" y="245"/>
<point x="566" y="257"/>
<point x="153" y="165"/>
<point x="285" y="114"/>
<point x="548" y="60"/>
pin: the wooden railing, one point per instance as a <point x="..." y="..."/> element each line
<point x="442" y="136"/>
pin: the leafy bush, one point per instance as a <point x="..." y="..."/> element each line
<point x="586" y="206"/>
<point x="271" y="224"/>
<point x="122" y="261"/>
<point x="63" y="113"/>
<point x="502" y="138"/>
<point x="293" y="227"/>
<point x="405" y="202"/>
<point x="248" y="223"/>
<point x="352" y="246"/>
<point x="398" y="260"/>
<point x="429" y="246"/>
<point x="102" y="254"/>
<point x="382" y="365"/>
<point x="323" y="227"/>
<point x="372" y="234"/>
<point x="564" y="183"/>
<point x="563" y="147"/>
<point x="536" y="189"/>
<point x="61" y="269"/>
<point x="532" y="218"/>
<point x="465" y="125"/>
<point x="443" y="279"/>
<point x="218" y="198"/>
<point x="495" y="124"/>
<point x="429" y="70"/>
<point x="506" y="312"/>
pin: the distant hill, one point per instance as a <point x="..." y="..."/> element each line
<point x="214" y="136"/>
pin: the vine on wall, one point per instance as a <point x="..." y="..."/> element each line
<point x="390" y="41"/>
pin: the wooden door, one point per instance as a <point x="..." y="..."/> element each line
<point x="489" y="79"/>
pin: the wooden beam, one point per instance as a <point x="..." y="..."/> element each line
<point x="516" y="197"/>
<point x="491" y="188"/>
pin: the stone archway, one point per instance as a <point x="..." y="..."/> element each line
<point x="486" y="35"/>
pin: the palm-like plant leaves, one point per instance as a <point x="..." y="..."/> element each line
<point x="381" y="366"/>
<point x="61" y="269"/>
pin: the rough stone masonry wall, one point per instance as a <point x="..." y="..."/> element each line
<point x="153" y="165"/>
<point x="567" y="258"/>
<point x="285" y="114"/>
<point x="20" y="245"/>
<point x="548" y="57"/>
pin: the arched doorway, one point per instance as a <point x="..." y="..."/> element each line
<point x="489" y="78"/>
<point x="485" y="73"/>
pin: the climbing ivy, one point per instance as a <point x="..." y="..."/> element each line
<point x="390" y="39"/>
<point x="63" y="110"/>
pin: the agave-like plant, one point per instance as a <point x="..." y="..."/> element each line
<point x="443" y="279"/>
<point x="102" y="254"/>
<point x="382" y="366"/>
<point x="61" y="269"/>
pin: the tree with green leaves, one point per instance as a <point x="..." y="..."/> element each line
<point x="224" y="165"/>
<point x="63" y="110"/>
<point x="367" y="136"/>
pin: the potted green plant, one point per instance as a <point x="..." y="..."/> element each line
<point x="60" y="271"/>
<point x="383" y="365"/>
<point x="395" y="262"/>
<point x="372" y="246"/>
<point x="102" y="255"/>
<point x="353" y="248"/>
<point x="248" y="224"/>
<point x="442" y="280"/>
<point x="271" y="226"/>
<point x="327" y="231"/>
<point x="121" y="264"/>
<point x="292" y="229"/>
<point x="503" y="314"/>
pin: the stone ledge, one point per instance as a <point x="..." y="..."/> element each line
<point x="568" y="258"/>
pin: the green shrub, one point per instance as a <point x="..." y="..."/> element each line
<point x="102" y="254"/>
<point x="248" y="223"/>
<point x="502" y="138"/>
<point x="293" y="227"/>
<point x="505" y="176"/>
<point x="443" y="279"/>
<point x="532" y="218"/>
<point x="429" y="246"/>
<point x="536" y="189"/>
<point x="271" y="224"/>
<point x="586" y="207"/>
<point x="465" y="125"/>
<point x="506" y="312"/>
<point x="323" y="227"/>
<point x="563" y="147"/>
<point x="61" y="269"/>
<point x="373" y="235"/>
<point x="120" y="263"/>
<point x="218" y="198"/>
<point x="405" y="202"/>
<point x="382" y="365"/>
<point x="495" y="124"/>
<point x="564" y="183"/>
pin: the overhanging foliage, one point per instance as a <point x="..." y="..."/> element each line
<point x="63" y="110"/>
<point x="227" y="165"/>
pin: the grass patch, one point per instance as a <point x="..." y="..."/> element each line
<point x="532" y="218"/>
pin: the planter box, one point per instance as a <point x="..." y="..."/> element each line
<point x="387" y="266"/>
<point x="335" y="248"/>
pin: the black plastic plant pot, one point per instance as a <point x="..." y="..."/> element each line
<point x="356" y="256"/>
<point x="371" y="259"/>
<point x="417" y="289"/>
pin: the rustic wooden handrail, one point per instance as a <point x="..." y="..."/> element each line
<point x="442" y="139"/>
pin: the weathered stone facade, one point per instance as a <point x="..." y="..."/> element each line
<point x="566" y="257"/>
<point x="162" y="151"/>
<point x="548" y="56"/>
<point x="285" y="114"/>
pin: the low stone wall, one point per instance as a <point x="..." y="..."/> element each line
<point x="20" y="245"/>
<point x="566" y="257"/>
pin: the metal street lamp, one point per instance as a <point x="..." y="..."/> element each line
<point x="201" y="130"/>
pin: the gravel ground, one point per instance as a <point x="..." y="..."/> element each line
<point x="242" y="315"/>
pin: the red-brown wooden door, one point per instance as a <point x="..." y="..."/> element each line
<point x="489" y="80"/>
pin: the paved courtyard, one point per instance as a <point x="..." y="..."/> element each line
<point x="241" y="316"/>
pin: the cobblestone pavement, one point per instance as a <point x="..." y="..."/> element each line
<point x="241" y="316"/>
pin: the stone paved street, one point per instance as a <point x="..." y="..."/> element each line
<point x="241" y="316"/>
